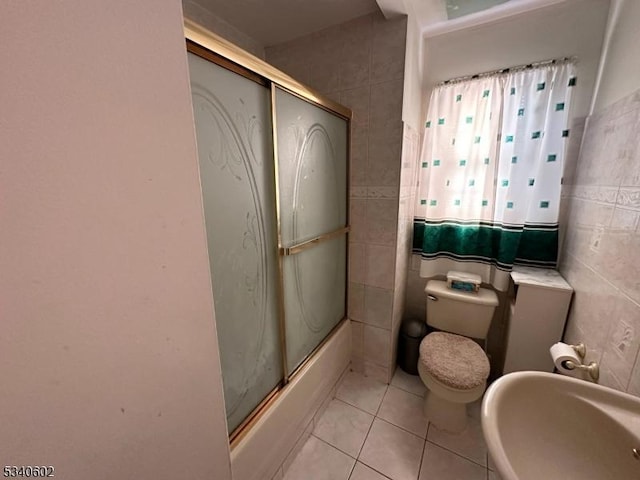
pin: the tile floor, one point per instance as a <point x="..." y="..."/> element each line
<point x="373" y="431"/>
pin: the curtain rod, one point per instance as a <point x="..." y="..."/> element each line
<point x="544" y="63"/>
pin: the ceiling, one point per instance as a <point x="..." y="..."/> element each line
<point x="460" y="8"/>
<point x="271" y="22"/>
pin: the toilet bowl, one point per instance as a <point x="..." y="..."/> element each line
<point x="453" y="367"/>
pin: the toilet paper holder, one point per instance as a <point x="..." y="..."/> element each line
<point x="580" y="349"/>
<point x="592" y="368"/>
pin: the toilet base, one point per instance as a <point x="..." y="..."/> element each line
<point x="444" y="406"/>
<point x="444" y="414"/>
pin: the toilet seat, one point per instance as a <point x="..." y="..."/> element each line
<point x="454" y="361"/>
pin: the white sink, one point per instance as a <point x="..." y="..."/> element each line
<point x="543" y="426"/>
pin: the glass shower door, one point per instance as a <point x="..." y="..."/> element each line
<point x="233" y="128"/>
<point x="312" y="146"/>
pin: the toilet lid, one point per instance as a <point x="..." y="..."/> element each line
<point x="456" y="361"/>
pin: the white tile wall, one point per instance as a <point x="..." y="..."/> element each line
<point x="600" y="254"/>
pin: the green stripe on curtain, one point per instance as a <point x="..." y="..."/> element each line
<point x="499" y="245"/>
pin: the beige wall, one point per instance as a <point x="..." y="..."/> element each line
<point x="621" y="75"/>
<point x="360" y="64"/>
<point x="196" y="11"/>
<point x="571" y="28"/>
<point x="601" y="256"/>
<point x="404" y="239"/>
<point x="108" y="346"/>
<point x="413" y="104"/>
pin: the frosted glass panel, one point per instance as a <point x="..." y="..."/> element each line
<point x="312" y="169"/>
<point x="232" y="117"/>
<point x="314" y="293"/>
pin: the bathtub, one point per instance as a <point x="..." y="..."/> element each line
<point x="270" y="444"/>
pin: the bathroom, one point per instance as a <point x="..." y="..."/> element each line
<point x="109" y="346"/>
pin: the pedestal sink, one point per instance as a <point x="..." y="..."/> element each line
<point x="543" y="426"/>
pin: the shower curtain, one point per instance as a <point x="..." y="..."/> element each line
<point x="492" y="162"/>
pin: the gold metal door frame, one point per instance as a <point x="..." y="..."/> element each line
<point x="215" y="49"/>
<point x="227" y="50"/>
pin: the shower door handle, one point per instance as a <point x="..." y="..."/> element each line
<point x="301" y="247"/>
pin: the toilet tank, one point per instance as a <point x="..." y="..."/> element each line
<point x="455" y="311"/>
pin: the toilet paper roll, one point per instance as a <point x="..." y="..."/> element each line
<point x="561" y="352"/>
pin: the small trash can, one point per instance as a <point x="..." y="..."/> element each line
<point x="412" y="332"/>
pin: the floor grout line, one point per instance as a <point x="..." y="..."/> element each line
<point x="398" y="386"/>
<point x="334" y="447"/>
<point x="405" y="390"/>
<point x="365" y="438"/>
<point x="357" y="459"/>
<point x="360" y="408"/>
<point x="456" y="453"/>
<point x="386" y="389"/>
<point x="401" y="428"/>
<point x="353" y="467"/>
<point x="424" y="450"/>
<point x="353" y="406"/>
<point x="375" y="416"/>
<point x="369" y="466"/>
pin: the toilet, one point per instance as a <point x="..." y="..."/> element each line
<point x="453" y="367"/>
